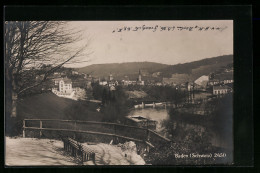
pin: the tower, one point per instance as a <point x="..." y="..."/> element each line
<point x="139" y="77"/>
<point x="110" y="77"/>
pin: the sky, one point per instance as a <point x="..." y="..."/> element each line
<point x="173" y="45"/>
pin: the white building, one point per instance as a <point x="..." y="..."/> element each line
<point x="219" y="90"/>
<point x="103" y="83"/>
<point x="65" y="86"/>
<point x="128" y="82"/>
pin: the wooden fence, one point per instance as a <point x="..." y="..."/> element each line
<point x="116" y="132"/>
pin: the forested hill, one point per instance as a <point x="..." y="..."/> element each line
<point x="198" y="68"/>
<point x="194" y="69"/>
<point x="121" y="69"/>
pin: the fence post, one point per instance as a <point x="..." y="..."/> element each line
<point x="40" y="128"/>
<point x="23" y="128"/>
<point x="75" y="126"/>
<point x="148" y="135"/>
<point x="93" y="158"/>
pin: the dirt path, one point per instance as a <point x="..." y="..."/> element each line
<point x="33" y="152"/>
<point x="38" y="152"/>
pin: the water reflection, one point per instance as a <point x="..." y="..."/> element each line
<point x="162" y="114"/>
<point x="152" y="113"/>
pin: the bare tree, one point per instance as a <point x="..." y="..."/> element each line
<point x="37" y="48"/>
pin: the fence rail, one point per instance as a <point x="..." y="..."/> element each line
<point x="92" y="122"/>
<point x="115" y="131"/>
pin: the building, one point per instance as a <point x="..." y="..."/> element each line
<point x="139" y="81"/>
<point x="159" y="84"/>
<point x="139" y="76"/>
<point x="156" y="74"/>
<point x="103" y="82"/>
<point x="213" y="82"/>
<point x="189" y="86"/>
<point x="112" y="83"/>
<point x="88" y="77"/>
<point x="221" y="89"/>
<point x="176" y="79"/>
<point x="74" y="72"/>
<point x="227" y="81"/>
<point x="65" y="86"/>
<point x="223" y="78"/>
<point x="129" y="82"/>
<point x="57" y="81"/>
<point x="110" y="78"/>
<point x="58" y="74"/>
<point x="89" y="80"/>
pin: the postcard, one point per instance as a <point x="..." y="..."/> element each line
<point x="150" y="92"/>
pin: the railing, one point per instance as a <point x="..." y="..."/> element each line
<point x="77" y="150"/>
<point x="117" y="132"/>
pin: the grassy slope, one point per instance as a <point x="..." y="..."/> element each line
<point x="45" y="105"/>
<point x="48" y="105"/>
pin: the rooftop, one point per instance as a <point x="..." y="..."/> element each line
<point x="224" y="76"/>
<point x="221" y="87"/>
<point x="67" y="80"/>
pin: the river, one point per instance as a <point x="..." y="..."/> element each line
<point x="159" y="114"/>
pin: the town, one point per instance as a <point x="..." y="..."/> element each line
<point x="78" y="85"/>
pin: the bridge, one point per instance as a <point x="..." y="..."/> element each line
<point x="154" y="104"/>
<point x="92" y="131"/>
